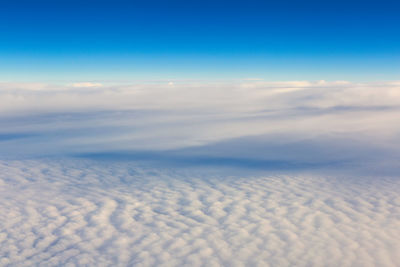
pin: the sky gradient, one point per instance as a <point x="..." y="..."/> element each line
<point x="53" y="41"/>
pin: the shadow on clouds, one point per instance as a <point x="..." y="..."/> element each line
<point x="176" y="159"/>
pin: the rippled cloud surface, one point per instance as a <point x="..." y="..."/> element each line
<point x="242" y="174"/>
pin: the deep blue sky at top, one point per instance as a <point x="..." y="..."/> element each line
<point x="130" y="40"/>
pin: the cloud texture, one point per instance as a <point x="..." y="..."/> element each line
<point x="297" y="122"/>
<point x="245" y="173"/>
<point x="121" y="214"/>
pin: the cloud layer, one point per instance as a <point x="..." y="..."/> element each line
<point x="62" y="212"/>
<point x="228" y="96"/>
<point x="245" y="173"/>
<point x="300" y="122"/>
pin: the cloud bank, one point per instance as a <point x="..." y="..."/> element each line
<point x="69" y="212"/>
<point x="300" y="122"/>
<point x="86" y="84"/>
<point x="248" y="173"/>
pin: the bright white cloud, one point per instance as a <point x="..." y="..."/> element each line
<point x="250" y="95"/>
<point x="88" y="213"/>
<point x="183" y="174"/>
<point x="86" y="84"/>
<point x="284" y="115"/>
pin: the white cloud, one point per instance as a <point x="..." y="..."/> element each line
<point x="274" y="118"/>
<point x="22" y="86"/>
<point x="253" y="79"/>
<point x="97" y="213"/>
<point x="86" y="84"/>
<point x="212" y="199"/>
<point x="248" y="95"/>
<point x="160" y="116"/>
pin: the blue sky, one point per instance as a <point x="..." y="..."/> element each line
<point x="150" y="40"/>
